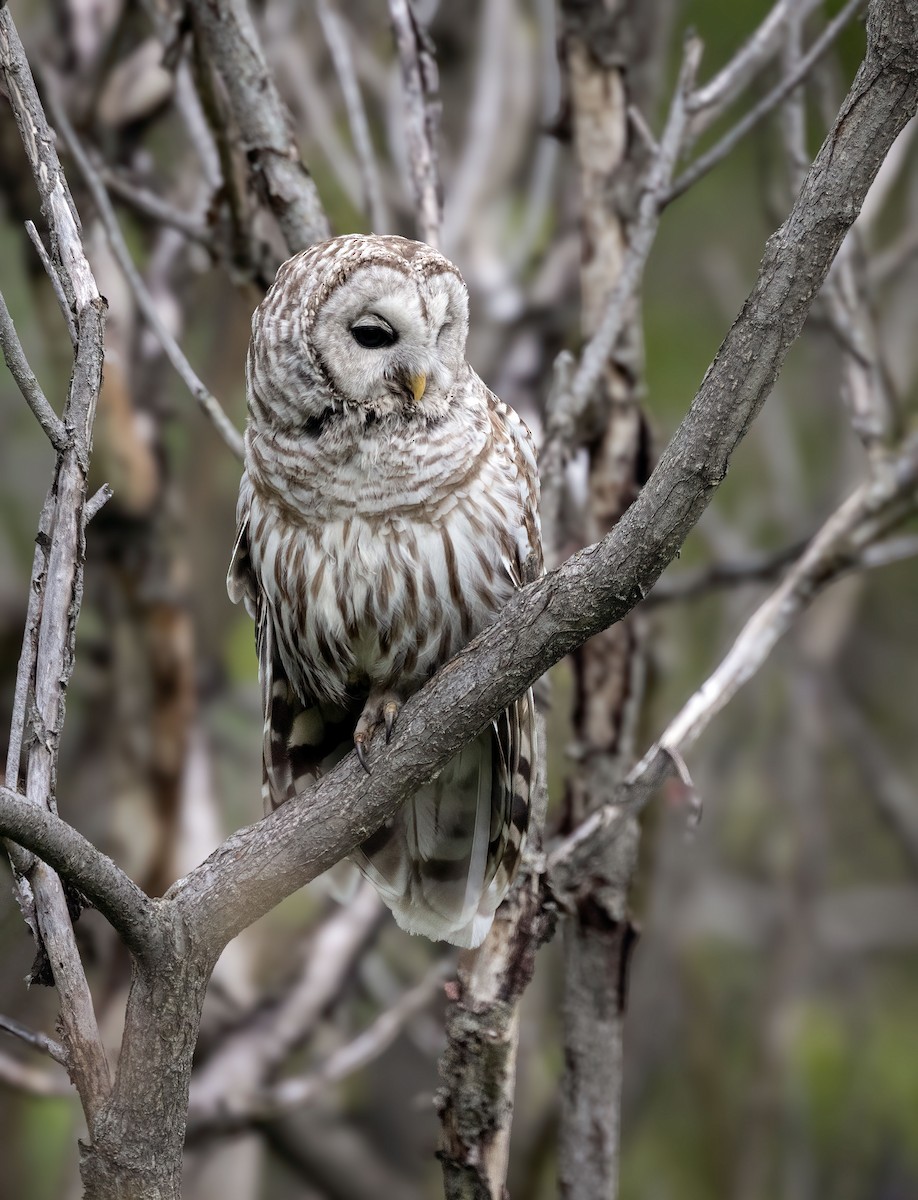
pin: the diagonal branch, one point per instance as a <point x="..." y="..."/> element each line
<point x="131" y="912"/>
<point x="206" y="400"/>
<point x="32" y="1037"/>
<point x="19" y="368"/>
<point x="719" y="151"/>
<point x="258" y="866"/>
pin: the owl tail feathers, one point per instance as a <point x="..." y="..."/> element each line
<point x="435" y="863"/>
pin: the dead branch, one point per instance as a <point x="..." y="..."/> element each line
<point x="336" y="35"/>
<point x="35" y="1039"/>
<point x="719" y="151"/>
<point x="58" y="575"/>
<point x="18" y="366"/>
<point x="229" y="41"/>
<point x="849" y="531"/>
<point x="207" y="402"/>
<point x="422" y="116"/>
<point x="569" y="404"/>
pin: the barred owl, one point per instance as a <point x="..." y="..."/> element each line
<point x="388" y="509"/>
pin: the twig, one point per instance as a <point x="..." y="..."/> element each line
<point x="150" y="205"/>
<point x="27" y="383"/>
<point x="690" y="584"/>
<point x="892" y="795"/>
<point x="713" y="98"/>
<point x="233" y="1111"/>
<point x="96" y="503"/>
<point x="336" y="35"/>
<point x="570" y="400"/>
<point x="35" y="1039"/>
<point x="419" y="86"/>
<point x="145" y="302"/>
<point x="249" y="1057"/>
<point x="485" y="123"/>
<point x="707" y="161"/>
<point x="52" y="273"/>
<point x="364" y="1049"/>
<point x="864" y="385"/>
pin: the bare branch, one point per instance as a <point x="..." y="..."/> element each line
<point x="208" y="403"/>
<point x="150" y="205"/>
<point x="96" y="503"/>
<point x="228" y="40"/>
<point x="131" y="912"/>
<point x="19" y="368"/>
<point x="712" y="99"/>
<point x="251" y="1055"/>
<point x="367" y="1046"/>
<point x="336" y="35"/>
<point x="570" y="400"/>
<point x="41" y="893"/>
<point x="52" y="273"/>
<point x="419" y="86"/>
<point x="35" y="1039"/>
<point x="235" y="1110"/>
<point x="719" y="151"/>
<point x="484" y="123"/>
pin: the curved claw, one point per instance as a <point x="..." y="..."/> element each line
<point x="390" y="712"/>
<point x="361" y="747"/>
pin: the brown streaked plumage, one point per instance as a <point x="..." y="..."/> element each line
<point x="388" y="509"/>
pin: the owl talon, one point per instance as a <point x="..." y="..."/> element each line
<point x="360" y="746"/>
<point x="390" y="712"/>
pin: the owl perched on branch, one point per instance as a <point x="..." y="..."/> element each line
<point x="388" y="509"/>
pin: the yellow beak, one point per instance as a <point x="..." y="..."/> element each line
<point x="418" y="387"/>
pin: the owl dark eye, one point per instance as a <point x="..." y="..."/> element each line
<point x="375" y="336"/>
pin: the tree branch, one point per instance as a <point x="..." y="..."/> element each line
<point x="719" y="151"/>
<point x="844" y="537"/>
<point x="421" y="116"/>
<point x="60" y="569"/>
<point x="228" y="39"/>
<point x="129" y="910"/>
<point x="35" y="1039"/>
<point x="20" y="370"/>
<point x="574" y="385"/>
<point x="208" y="403"/>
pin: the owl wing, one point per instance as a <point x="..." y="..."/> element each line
<point x="301" y="736"/>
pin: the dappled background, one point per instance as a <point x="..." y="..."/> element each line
<point x="771" y="1042"/>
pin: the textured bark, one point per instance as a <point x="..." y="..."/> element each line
<point x="228" y="39"/>
<point x="136" y="1148"/>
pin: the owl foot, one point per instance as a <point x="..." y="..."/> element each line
<point x="381" y="708"/>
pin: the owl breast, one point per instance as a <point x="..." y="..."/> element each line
<point x="379" y="585"/>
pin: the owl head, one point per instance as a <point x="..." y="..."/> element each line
<point x="359" y="326"/>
